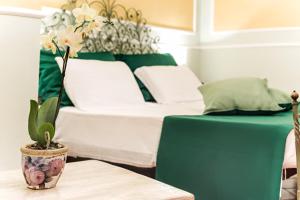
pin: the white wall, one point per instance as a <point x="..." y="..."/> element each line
<point x="19" y="53"/>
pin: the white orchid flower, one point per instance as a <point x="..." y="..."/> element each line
<point x="47" y="42"/>
<point x="94" y="26"/>
<point x="85" y="13"/>
<point x="68" y="37"/>
<point x="74" y="50"/>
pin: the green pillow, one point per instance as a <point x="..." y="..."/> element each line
<point x="50" y="76"/>
<point x="136" y="61"/>
<point x="244" y="96"/>
<point x="282" y="98"/>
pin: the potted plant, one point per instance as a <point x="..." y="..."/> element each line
<point x="44" y="160"/>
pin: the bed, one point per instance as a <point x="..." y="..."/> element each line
<point x="132" y="134"/>
<point x="136" y="138"/>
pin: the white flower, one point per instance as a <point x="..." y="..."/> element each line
<point x="94" y="26"/>
<point x="73" y="51"/>
<point x="85" y="13"/>
<point x="47" y="42"/>
<point x="68" y="37"/>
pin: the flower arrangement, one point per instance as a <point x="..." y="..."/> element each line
<point x="43" y="161"/>
<point x="69" y="40"/>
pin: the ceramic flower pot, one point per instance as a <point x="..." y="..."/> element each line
<point x="42" y="168"/>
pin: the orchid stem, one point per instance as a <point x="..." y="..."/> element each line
<point x="60" y="53"/>
<point x="80" y="26"/>
<point x="65" y="62"/>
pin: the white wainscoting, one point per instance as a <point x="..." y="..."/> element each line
<point x="280" y="64"/>
<point x="19" y="53"/>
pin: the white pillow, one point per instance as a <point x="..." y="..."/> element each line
<point x="170" y="84"/>
<point x="93" y="83"/>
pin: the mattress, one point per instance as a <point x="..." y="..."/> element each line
<point x="128" y="135"/>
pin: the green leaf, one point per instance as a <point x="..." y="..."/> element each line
<point x="46" y="113"/>
<point x="43" y="129"/>
<point x="32" y="124"/>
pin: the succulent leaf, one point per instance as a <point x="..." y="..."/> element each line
<point x="46" y="113"/>
<point x="32" y="120"/>
<point x="42" y="130"/>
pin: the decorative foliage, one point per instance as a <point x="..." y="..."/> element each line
<point x="119" y="30"/>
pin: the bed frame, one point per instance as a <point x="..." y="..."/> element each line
<point x="149" y="172"/>
<point x="295" y="97"/>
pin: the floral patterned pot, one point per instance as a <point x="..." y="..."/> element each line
<point x="42" y="168"/>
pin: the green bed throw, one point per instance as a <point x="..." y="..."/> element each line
<point x="224" y="157"/>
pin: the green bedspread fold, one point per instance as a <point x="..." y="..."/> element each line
<point x="224" y="157"/>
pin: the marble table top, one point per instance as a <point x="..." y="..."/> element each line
<point x="89" y="180"/>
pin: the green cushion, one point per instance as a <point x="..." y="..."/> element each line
<point x="282" y="98"/>
<point x="50" y="76"/>
<point x="136" y="61"/>
<point x="244" y="96"/>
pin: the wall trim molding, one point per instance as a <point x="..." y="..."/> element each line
<point x="196" y="16"/>
<point x="22" y="12"/>
<point x="254" y="30"/>
<point x="243" y="46"/>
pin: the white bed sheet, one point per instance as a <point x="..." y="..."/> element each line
<point x="128" y="135"/>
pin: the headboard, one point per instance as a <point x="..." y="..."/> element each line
<point x="125" y="30"/>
